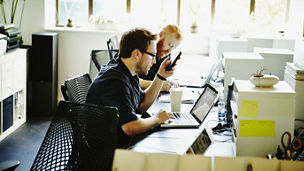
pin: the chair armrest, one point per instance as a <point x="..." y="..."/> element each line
<point x="9" y="165"/>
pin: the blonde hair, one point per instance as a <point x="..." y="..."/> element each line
<point x="173" y="29"/>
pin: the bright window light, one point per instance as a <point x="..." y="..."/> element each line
<point x="231" y="15"/>
<point x="269" y="15"/>
<point x="75" y="10"/>
<point x="195" y="13"/>
<point x="109" y="10"/>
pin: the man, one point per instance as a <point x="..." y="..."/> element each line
<point x="169" y="38"/>
<point x="118" y="84"/>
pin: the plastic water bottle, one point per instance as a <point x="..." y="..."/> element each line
<point x="221" y="110"/>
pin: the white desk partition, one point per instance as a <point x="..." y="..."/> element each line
<point x="218" y="45"/>
<point x="275" y="60"/>
<point x="270" y="41"/>
<point x="240" y="65"/>
<point x="259" y="42"/>
<point x="126" y="160"/>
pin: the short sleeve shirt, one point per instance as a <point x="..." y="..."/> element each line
<point x="115" y="86"/>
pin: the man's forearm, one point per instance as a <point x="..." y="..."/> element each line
<point x="151" y="93"/>
<point x="139" y="126"/>
<point x="144" y="83"/>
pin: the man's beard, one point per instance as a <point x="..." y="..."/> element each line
<point x="141" y="70"/>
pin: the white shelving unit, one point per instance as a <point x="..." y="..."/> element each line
<point x="12" y="91"/>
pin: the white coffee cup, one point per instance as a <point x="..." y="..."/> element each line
<point x="176" y="99"/>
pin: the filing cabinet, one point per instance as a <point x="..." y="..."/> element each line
<point x="260" y="116"/>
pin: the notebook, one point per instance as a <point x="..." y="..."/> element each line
<point x="198" y="113"/>
<point x="201" y="82"/>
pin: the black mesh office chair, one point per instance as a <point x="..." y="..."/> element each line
<point x="99" y="58"/>
<point x="80" y="137"/>
<point x="76" y="89"/>
<point x="113" y="45"/>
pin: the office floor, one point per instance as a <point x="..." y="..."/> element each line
<point x="24" y="143"/>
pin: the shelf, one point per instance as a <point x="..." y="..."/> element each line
<point x="12" y="91"/>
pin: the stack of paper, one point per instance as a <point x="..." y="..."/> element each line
<point x="296" y="72"/>
<point x="294" y="76"/>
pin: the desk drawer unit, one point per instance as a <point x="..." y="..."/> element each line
<point x="261" y="117"/>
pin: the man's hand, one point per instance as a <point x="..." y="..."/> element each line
<point x="168" y="84"/>
<point x="162" y="69"/>
<point x="162" y="116"/>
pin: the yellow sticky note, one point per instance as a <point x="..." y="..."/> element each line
<point x="249" y="108"/>
<point x="256" y="128"/>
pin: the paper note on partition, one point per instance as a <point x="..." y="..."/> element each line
<point x="256" y="128"/>
<point x="249" y="108"/>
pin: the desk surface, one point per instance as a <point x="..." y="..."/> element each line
<point x="179" y="140"/>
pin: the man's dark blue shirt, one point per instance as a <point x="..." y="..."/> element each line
<point x="115" y="86"/>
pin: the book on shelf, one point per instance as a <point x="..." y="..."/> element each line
<point x="6" y="26"/>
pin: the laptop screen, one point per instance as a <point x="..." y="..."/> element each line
<point x="205" y="102"/>
<point x="215" y="67"/>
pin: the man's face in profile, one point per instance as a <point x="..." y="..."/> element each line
<point x="166" y="44"/>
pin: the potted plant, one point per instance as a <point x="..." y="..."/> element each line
<point x="194" y="8"/>
<point x="263" y="80"/>
<point x="13" y="11"/>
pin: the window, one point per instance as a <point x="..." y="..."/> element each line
<point x="146" y="13"/>
<point x="195" y="13"/>
<point x="75" y="10"/>
<point x="231" y="15"/>
<point x="269" y="15"/>
<point x="190" y="15"/>
<point x="108" y="11"/>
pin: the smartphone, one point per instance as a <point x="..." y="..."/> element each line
<point x="173" y="62"/>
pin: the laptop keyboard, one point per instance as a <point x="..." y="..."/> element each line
<point x="183" y="118"/>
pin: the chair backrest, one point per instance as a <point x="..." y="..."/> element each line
<point x="80" y="137"/>
<point x="113" y="45"/>
<point x="75" y="89"/>
<point x="99" y="58"/>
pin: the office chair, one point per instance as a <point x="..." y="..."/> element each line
<point x="100" y="58"/>
<point x="113" y="46"/>
<point x="80" y="137"/>
<point x="76" y="89"/>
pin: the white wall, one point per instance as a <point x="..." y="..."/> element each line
<point x="74" y="48"/>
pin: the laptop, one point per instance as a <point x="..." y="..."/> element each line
<point x="198" y="113"/>
<point x="201" y="82"/>
<point x="204" y="140"/>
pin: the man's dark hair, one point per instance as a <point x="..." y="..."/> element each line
<point x="135" y="39"/>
